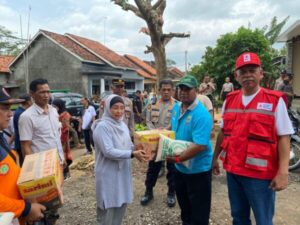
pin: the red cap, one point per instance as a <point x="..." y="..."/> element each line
<point x="247" y="58"/>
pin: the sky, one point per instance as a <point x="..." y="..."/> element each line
<point x="103" y="21"/>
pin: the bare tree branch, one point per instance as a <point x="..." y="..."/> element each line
<point x="160" y="6"/>
<point x="178" y="35"/>
<point x="144" y="30"/>
<point x="168" y="37"/>
<point x="149" y="49"/>
<point x="128" y="7"/>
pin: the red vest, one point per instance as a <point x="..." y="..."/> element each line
<point x="249" y="147"/>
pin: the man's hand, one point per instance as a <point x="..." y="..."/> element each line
<point x="280" y="182"/>
<point x="171" y="159"/>
<point x="35" y="213"/>
<point x="215" y="167"/>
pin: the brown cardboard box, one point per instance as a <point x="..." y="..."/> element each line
<point x="150" y="138"/>
<point x="40" y="179"/>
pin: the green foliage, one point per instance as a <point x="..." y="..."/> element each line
<point x="139" y="127"/>
<point x="170" y="62"/>
<point x="219" y="62"/>
<point x="275" y="29"/>
<point x="9" y="44"/>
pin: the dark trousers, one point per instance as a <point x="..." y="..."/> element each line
<point x="21" y="157"/>
<point x="193" y="192"/>
<point x="152" y="174"/>
<point x="88" y="139"/>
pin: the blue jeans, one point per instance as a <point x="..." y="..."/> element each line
<point x="245" y="193"/>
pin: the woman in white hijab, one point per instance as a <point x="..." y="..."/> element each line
<point x="114" y="150"/>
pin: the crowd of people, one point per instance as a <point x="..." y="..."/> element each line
<point x="253" y="144"/>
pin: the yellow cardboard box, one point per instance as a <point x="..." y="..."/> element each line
<point x="40" y="179"/>
<point x="150" y="138"/>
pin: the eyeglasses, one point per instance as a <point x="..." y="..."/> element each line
<point x="244" y="71"/>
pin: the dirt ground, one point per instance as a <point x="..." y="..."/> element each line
<point x="80" y="204"/>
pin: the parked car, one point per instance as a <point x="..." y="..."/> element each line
<point x="72" y="101"/>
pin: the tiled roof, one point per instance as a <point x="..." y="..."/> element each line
<point x="175" y="71"/>
<point x="72" y="46"/>
<point x="145" y="74"/>
<point x="4" y="62"/>
<point x="104" y="52"/>
<point x="146" y="67"/>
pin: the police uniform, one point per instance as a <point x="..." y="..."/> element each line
<point x="157" y="116"/>
<point x="128" y="115"/>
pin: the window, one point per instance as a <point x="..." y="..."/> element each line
<point x="96" y="87"/>
<point x="129" y="85"/>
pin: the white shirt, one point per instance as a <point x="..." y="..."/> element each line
<point x="87" y="117"/>
<point x="41" y="128"/>
<point x="282" y="120"/>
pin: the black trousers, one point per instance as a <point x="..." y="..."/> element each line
<point x="21" y="157"/>
<point x="193" y="192"/>
<point x="152" y="174"/>
<point x="88" y="139"/>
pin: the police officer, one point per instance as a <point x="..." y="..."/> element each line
<point x="158" y="117"/>
<point x="117" y="87"/>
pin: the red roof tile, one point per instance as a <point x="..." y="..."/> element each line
<point x="145" y="74"/>
<point x="72" y="46"/>
<point x="149" y="69"/>
<point x="176" y="71"/>
<point x="104" y="52"/>
<point x="4" y="62"/>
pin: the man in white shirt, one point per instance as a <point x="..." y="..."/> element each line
<point x="87" y="118"/>
<point x="39" y="127"/>
<point x="39" y="124"/>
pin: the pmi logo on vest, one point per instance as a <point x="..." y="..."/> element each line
<point x="265" y="106"/>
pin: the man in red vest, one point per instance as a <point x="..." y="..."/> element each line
<point x="253" y="144"/>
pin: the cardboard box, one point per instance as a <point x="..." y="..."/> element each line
<point x="150" y="138"/>
<point x="40" y="179"/>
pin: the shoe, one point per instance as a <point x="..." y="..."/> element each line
<point x="171" y="201"/>
<point x="67" y="176"/>
<point x="146" y="198"/>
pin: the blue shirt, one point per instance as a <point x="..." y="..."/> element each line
<point x="16" y="118"/>
<point x="194" y="125"/>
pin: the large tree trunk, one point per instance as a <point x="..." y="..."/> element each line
<point x="152" y="14"/>
<point x="160" y="62"/>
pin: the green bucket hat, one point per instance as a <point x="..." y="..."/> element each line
<point x="189" y="81"/>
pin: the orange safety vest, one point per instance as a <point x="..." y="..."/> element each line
<point x="249" y="146"/>
<point x="10" y="198"/>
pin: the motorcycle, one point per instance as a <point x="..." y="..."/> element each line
<point x="294" y="162"/>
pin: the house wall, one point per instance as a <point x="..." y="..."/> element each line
<point x="129" y="75"/>
<point x="49" y="61"/>
<point x="296" y="67"/>
<point x="3" y="78"/>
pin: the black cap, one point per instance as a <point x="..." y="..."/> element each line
<point x="25" y="97"/>
<point x="6" y="99"/>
